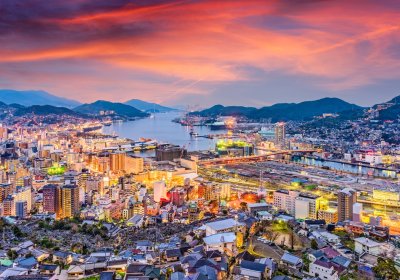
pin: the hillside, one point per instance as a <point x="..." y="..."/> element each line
<point x="43" y="110"/>
<point x="35" y="97"/>
<point x="119" y="109"/>
<point x="303" y="111"/>
<point x="148" y="106"/>
<point x="392" y="112"/>
<point x="284" y="111"/>
<point x="220" y="110"/>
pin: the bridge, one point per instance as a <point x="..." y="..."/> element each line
<point x="387" y="203"/>
<point x="246" y="159"/>
<point x="221" y="136"/>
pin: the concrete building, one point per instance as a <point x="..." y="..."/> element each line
<point x="307" y="206"/>
<point x="346" y="199"/>
<point x="21" y="209"/>
<point x="357" y="212"/>
<point x="364" y="245"/>
<point x="117" y="161"/>
<point x="134" y="164"/>
<point x="24" y="194"/>
<point x="280" y="133"/>
<point x="52" y="199"/>
<point x="169" y="152"/>
<point x="160" y="191"/>
<point x="286" y="200"/>
<point x="70" y="200"/>
<point x="330" y="215"/>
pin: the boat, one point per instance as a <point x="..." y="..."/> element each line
<point x="92" y="128"/>
<point x="217" y="125"/>
<point x="194" y="134"/>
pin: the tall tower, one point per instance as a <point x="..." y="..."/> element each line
<point x="280" y="133"/>
<point x="52" y="199"/>
<point x="346" y="199"/>
<point x="70" y="200"/>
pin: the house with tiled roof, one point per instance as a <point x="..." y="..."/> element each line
<point x="323" y="270"/>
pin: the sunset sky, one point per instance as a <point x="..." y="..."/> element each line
<point x="203" y="52"/>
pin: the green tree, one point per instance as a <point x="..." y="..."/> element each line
<point x="17" y="232"/>
<point x="314" y="244"/>
<point x="386" y="269"/>
<point x="11" y="254"/>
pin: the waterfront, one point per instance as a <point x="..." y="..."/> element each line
<point x="164" y="130"/>
<point x="346" y="167"/>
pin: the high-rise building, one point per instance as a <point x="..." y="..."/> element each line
<point x="70" y="200"/>
<point x="193" y="212"/>
<point x="117" y="161"/>
<point x="82" y="178"/>
<point x="330" y="215"/>
<point x="280" y="133"/>
<point x="134" y="164"/>
<point x="307" y="206"/>
<point x="169" y="152"/>
<point x="357" y="212"/>
<point x="71" y="177"/>
<point x="21" y="210"/>
<point x="346" y="199"/>
<point x="225" y="191"/>
<point x="102" y="162"/>
<point x="211" y="192"/>
<point x="8" y="206"/>
<point x="177" y="196"/>
<point x="52" y="199"/>
<point x="160" y="191"/>
<point x="286" y="200"/>
<point x="5" y="190"/>
<point x="24" y="194"/>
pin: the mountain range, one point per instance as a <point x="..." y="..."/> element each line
<point x="39" y="97"/>
<point x="148" y="106"/>
<point x="42" y="103"/>
<point x="284" y="111"/>
<point x="35" y="97"/>
<point x="119" y="109"/>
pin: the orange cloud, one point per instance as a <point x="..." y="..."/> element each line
<point x="343" y="42"/>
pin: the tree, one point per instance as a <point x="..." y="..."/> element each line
<point x="386" y="269"/>
<point x="243" y="206"/>
<point x="11" y="254"/>
<point x="17" y="232"/>
<point x="271" y="235"/>
<point x="314" y="244"/>
<point x="292" y="239"/>
<point x="306" y="262"/>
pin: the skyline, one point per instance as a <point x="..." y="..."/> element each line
<point x="251" y="53"/>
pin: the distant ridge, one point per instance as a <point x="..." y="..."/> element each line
<point x="283" y="111"/>
<point x="119" y="109"/>
<point x="35" y="97"/>
<point x="43" y="110"/>
<point x="148" y="106"/>
<point x="390" y="113"/>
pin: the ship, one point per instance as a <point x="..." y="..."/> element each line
<point x="92" y="128"/>
<point x="217" y="125"/>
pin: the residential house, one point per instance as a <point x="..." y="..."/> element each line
<point x="292" y="261"/>
<point x="253" y="270"/>
<point x="364" y="245"/>
<point x="324" y="270"/>
<point x="224" y="242"/>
